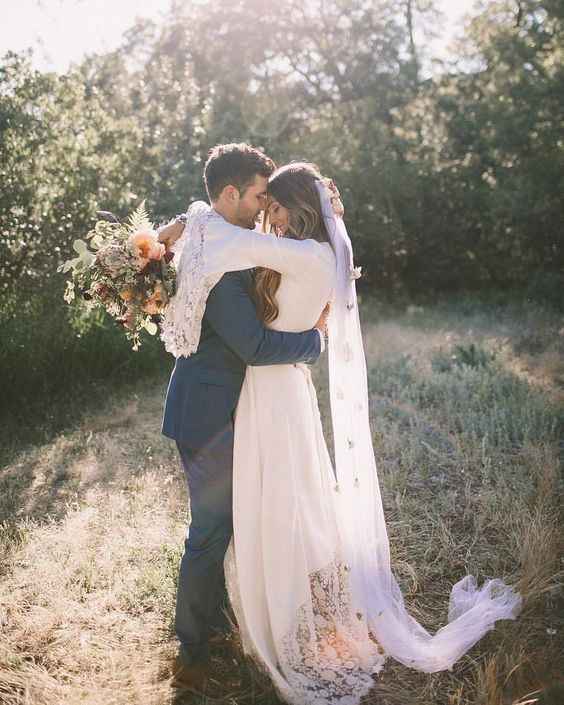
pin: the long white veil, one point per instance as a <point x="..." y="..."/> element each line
<point x="472" y="611"/>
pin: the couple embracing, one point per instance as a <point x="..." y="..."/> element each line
<point x="296" y="544"/>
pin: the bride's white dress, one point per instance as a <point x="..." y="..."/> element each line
<point x="286" y="575"/>
<point x="308" y="570"/>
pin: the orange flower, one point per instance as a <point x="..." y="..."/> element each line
<point x="126" y="294"/>
<point x="146" y="246"/>
<point x="157" y="301"/>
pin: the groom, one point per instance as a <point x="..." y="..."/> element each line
<point x="202" y="395"/>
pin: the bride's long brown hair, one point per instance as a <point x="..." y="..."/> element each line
<point x="293" y="186"/>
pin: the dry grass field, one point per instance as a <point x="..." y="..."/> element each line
<point x="468" y="418"/>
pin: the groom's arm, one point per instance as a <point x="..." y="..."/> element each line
<point x="231" y="312"/>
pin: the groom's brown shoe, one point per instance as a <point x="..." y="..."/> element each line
<point x="193" y="677"/>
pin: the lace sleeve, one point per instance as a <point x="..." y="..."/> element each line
<point x="193" y="210"/>
<point x="182" y="323"/>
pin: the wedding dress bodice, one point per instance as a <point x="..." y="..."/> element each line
<point x="303" y="294"/>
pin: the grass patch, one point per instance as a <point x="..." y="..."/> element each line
<point x="469" y="460"/>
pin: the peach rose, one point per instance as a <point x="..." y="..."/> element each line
<point x="146" y="246"/>
<point x="157" y="251"/>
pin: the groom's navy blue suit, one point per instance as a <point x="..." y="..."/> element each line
<point x="202" y="395"/>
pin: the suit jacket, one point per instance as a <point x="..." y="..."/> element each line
<point x="204" y="388"/>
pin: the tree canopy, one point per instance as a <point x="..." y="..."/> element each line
<point x="449" y="181"/>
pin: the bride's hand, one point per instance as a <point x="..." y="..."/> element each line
<point x="170" y="234"/>
<point x="322" y="321"/>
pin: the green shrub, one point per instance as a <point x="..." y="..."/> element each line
<point x="59" y="360"/>
<point x="478" y="400"/>
<point x="460" y="356"/>
<point x="547" y="288"/>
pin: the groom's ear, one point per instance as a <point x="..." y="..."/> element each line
<point x="231" y="193"/>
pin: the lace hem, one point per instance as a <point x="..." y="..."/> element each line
<point x="329" y="656"/>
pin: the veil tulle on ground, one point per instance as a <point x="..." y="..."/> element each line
<point x="472" y="610"/>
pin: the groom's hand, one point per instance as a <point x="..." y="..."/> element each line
<point x="170" y="234"/>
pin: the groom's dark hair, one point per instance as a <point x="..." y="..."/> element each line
<point x="234" y="164"/>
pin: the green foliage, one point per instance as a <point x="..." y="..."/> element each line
<point x="489" y="143"/>
<point x="481" y="399"/>
<point x="61" y="154"/>
<point x="139" y="219"/>
<point x="449" y="182"/>
<point x="547" y="288"/>
<point x="63" y="361"/>
<point x="460" y="356"/>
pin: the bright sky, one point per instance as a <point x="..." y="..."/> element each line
<point x="63" y="31"/>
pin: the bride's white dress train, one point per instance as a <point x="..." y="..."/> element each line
<point x="315" y="613"/>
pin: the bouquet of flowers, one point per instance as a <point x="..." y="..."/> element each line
<point x="126" y="271"/>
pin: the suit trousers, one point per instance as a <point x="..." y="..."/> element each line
<point x="201" y="599"/>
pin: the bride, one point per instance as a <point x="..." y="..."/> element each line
<point x="308" y="569"/>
